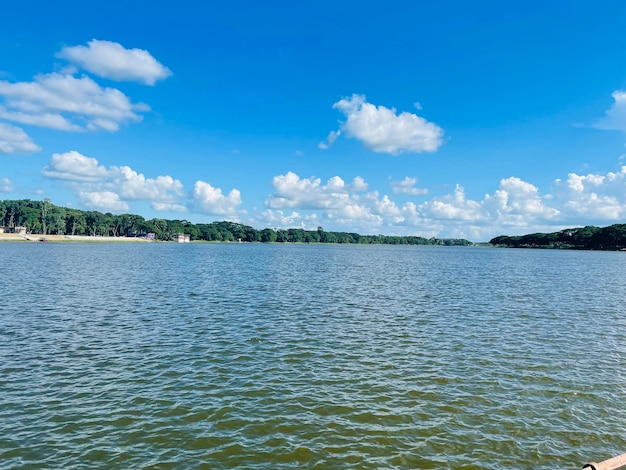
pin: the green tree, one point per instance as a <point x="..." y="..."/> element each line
<point x="268" y="235"/>
<point x="76" y="222"/>
<point x="45" y="207"/>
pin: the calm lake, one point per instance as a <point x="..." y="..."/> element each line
<point x="133" y="355"/>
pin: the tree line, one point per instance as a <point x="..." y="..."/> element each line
<point x="612" y="237"/>
<point x="46" y="218"/>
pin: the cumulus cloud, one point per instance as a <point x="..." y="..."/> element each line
<point x="341" y="203"/>
<point x="615" y="118"/>
<point x="103" y="201"/>
<point x="407" y="186"/>
<point x="593" y="197"/>
<point x="74" y="166"/>
<point x="517" y="202"/>
<point x="279" y="219"/>
<point x="15" y="140"/>
<point x="382" y="206"/>
<point x="358" y="184"/>
<point x="384" y="131"/>
<point x="64" y="102"/>
<point x="210" y="200"/>
<point x="309" y="193"/>
<point x="454" y="206"/>
<point x="111" y="60"/>
<point x="135" y="186"/>
<point x="97" y="184"/>
<point x="514" y="207"/>
<point x="6" y="185"/>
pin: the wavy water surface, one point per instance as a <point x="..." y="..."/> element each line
<point x="298" y="356"/>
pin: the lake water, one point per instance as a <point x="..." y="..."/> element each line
<point x="309" y="356"/>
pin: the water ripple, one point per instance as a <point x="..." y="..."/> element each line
<point x="256" y="356"/>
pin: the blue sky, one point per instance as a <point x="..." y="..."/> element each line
<point x="450" y="119"/>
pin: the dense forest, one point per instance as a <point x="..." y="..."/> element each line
<point x="43" y="217"/>
<point x="584" y="238"/>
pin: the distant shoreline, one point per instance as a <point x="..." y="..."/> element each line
<point x="33" y="237"/>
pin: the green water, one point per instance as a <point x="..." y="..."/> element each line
<point x="271" y="356"/>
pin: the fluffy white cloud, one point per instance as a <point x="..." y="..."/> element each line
<point x="593" y="197"/>
<point x="280" y="219"/>
<point x="96" y="184"/>
<point x="111" y="60"/>
<point x="210" y="200"/>
<point x="6" y="185"/>
<point x="514" y="207"/>
<point x="341" y="203"/>
<point x="309" y="193"/>
<point x="382" y="130"/>
<point x="74" y="166"/>
<point x="103" y="201"/>
<point x="135" y="186"/>
<point x="407" y="186"/>
<point x="517" y="202"/>
<point x="356" y="213"/>
<point x="453" y="207"/>
<point x="64" y="102"/>
<point x="15" y="140"/>
<point x="615" y="118"/>
<point x="358" y="184"/>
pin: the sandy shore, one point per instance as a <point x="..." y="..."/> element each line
<point x="67" y="238"/>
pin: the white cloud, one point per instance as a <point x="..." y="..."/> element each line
<point x="330" y="140"/>
<point x="514" y="207"/>
<point x="279" y="219"/>
<point x="517" y="202"/>
<point x="308" y="193"/>
<point x="407" y="186"/>
<point x="74" y="166"/>
<point x="135" y="186"/>
<point x="615" y="118"/>
<point x="453" y="207"/>
<point x="337" y="201"/>
<point x="382" y="130"/>
<point x="96" y="184"/>
<point x="64" y="102"/>
<point x="15" y="140"/>
<point x="383" y="206"/>
<point x="167" y="207"/>
<point x="514" y="204"/>
<point x="358" y="184"/>
<point x="210" y="200"/>
<point x="111" y="60"/>
<point x="593" y="197"/>
<point x="6" y="185"/>
<point x="103" y="201"/>
<point x="355" y="213"/>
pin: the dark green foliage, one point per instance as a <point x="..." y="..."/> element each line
<point x="612" y="237"/>
<point x="46" y="218"/>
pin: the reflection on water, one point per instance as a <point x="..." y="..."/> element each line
<point x="298" y="356"/>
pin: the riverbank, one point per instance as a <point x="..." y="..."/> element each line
<point x="12" y="237"/>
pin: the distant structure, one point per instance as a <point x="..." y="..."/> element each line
<point x="148" y="236"/>
<point x="183" y="238"/>
<point x="18" y="230"/>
